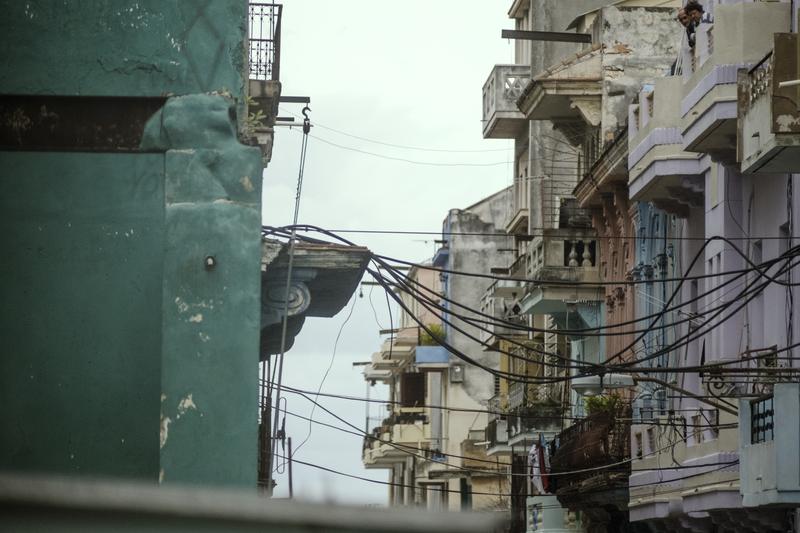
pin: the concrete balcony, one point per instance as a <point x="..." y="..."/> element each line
<point x="501" y="117"/>
<point x="533" y="409"/>
<point x="497" y="437"/>
<point x="498" y="302"/>
<point x="562" y="267"/>
<point x="569" y="92"/>
<point x="400" y="350"/>
<point x="769" y="118"/>
<point x="770" y="466"/>
<point x="659" y="169"/>
<point x="709" y="105"/>
<point x="702" y="482"/>
<point x="406" y="430"/>
<point x="520" y="207"/>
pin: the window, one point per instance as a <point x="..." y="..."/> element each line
<point x="651" y="441"/>
<point x="697" y="428"/>
<point x="762" y="420"/>
<point x="638" y="439"/>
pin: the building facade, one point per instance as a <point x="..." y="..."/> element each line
<point x="679" y="157"/>
<point x="433" y="439"/>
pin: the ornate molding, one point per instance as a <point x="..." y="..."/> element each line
<point x="589" y="107"/>
<point x="273" y="300"/>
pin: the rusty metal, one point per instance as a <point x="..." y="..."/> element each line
<point x="551" y="36"/>
<point x="264" y="37"/>
<point x="601" y="439"/>
<point x="74" y="123"/>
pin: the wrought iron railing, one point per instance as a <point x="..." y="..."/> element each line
<point x="264" y="36"/>
<point x="600" y="439"/>
<point x="762" y="420"/>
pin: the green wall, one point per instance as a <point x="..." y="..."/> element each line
<point x="124" y="353"/>
<point x="80" y="313"/>
<point x="116" y="48"/>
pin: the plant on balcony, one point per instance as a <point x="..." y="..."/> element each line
<point x="434" y="338"/>
<point x="601" y="404"/>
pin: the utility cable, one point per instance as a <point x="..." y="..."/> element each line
<point x="285" y="321"/>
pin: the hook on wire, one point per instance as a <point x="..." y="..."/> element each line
<point x="306" y="121"/>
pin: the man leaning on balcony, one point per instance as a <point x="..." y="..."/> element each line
<point x="693" y="15"/>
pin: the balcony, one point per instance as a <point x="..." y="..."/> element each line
<point x="533" y="409"/>
<point x="769" y="119"/>
<point x="770" y="468"/>
<point x="263" y="88"/>
<point x="501" y="117"/>
<point x="406" y="430"/>
<point x="520" y="207"/>
<point x="569" y="92"/>
<point x="562" y="267"/>
<point x="498" y="302"/>
<point x="600" y="439"/>
<point x="659" y="169"/>
<point x="497" y="437"/>
<point x="660" y="494"/>
<point x="709" y="105"/>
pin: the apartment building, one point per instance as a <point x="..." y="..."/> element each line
<point x="432" y="441"/>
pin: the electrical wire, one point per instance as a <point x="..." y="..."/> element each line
<point x="483" y="493"/>
<point x="410" y="450"/>
<point x="294" y="390"/>
<point x="405" y="147"/>
<point x="524" y="378"/>
<point x="327" y="371"/>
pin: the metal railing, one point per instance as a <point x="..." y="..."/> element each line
<point x="599" y="439"/>
<point x="264" y="38"/>
<point x="762" y="420"/>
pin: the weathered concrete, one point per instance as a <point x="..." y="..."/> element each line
<point x="131" y="288"/>
<point x="145" y="48"/>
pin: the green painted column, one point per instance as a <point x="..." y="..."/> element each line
<point x="211" y="297"/>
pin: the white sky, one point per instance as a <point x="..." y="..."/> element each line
<point x="408" y="73"/>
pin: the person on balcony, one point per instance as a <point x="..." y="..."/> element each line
<point x="697" y="13"/>
<point x="686" y="22"/>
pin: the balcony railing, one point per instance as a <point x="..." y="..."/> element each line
<point x="501" y="117"/>
<point x="500" y="308"/>
<point x="496" y="433"/>
<point x="769" y="117"/>
<point x="557" y="259"/>
<point x="709" y="104"/>
<point x="264" y="40"/>
<point x="600" y="439"/>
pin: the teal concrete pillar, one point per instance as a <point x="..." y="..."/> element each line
<point x="210" y="299"/>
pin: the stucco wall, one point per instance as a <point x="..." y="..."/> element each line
<point x="131" y="287"/>
<point x="111" y="48"/>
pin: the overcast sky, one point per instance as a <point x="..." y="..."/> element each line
<point x="407" y="73"/>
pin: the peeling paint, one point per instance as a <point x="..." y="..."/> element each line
<point x="204" y="337"/>
<point x="196" y="318"/>
<point x="247" y="184"/>
<point x="786" y="123"/>
<point x="164" y="434"/>
<point x="185" y="404"/>
<point x="182" y="306"/>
